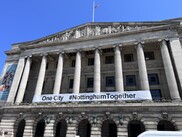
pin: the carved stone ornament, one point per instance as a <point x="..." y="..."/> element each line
<point x="165" y="115"/>
<point x="89" y="31"/>
<point x="135" y="115"/>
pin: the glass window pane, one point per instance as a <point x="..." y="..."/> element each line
<point x="109" y="59"/>
<point x="110" y="81"/>
<point x="156" y="94"/>
<point x="128" y="58"/>
<point x="153" y="79"/>
<point x="130" y="80"/>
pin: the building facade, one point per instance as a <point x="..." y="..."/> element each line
<point x="95" y="58"/>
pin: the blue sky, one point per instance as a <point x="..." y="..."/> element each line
<point x="24" y="20"/>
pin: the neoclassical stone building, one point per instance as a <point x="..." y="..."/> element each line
<point x="95" y="58"/>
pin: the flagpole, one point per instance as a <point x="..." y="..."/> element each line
<point x="93" y="11"/>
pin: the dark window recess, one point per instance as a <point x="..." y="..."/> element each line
<point x="71" y="84"/>
<point x="153" y="79"/>
<point x="90" y="61"/>
<point x="73" y="63"/>
<point x="156" y="94"/>
<point x="47" y="66"/>
<point x="130" y="80"/>
<point x="107" y="50"/>
<point x="128" y="58"/>
<point x="90" y="82"/>
<point x="110" y="81"/>
<point x="53" y="81"/>
<point x="109" y="60"/>
<point x="149" y="55"/>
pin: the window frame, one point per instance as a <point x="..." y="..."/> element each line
<point x="91" y="61"/>
<point x="128" y="57"/>
<point x="128" y="78"/>
<point x="108" y="84"/>
<point x="73" y="63"/>
<point x="154" y="96"/>
<point x="149" y="55"/>
<point x="109" y="59"/>
<point x="154" y="81"/>
<point x="71" y="84"/>
<point x="90" y="82"/>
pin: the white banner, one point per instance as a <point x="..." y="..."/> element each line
<point x="102" y="96"/>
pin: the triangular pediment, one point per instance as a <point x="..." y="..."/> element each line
<point x="95" y="29"/>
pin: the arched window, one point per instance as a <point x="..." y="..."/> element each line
<point x="109" y="129"/>
<point x="39" y="132"/>
<point x="20" y="129"/>
<point x="84" y="128"/>
<point x="165" y="125"/>
<point x="61" y="129"/>
<point x="135" y="128"/>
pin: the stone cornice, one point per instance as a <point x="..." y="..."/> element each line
<point x="13" y="52"/>
<point x="97" y="107"/>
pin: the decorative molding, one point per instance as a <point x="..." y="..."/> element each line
<point x="135" y="115"/>
<point x="165" y="115"/>
<point x="90" y="31"/>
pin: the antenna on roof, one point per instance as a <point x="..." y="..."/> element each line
<point x="93" y="10"/>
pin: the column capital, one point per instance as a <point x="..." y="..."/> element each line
<point x="99" y="49"/>
<point x="30" y="56"/>
<point x="165" y="39"/>
<point x="117" y="46"/>
<point x="139" y="42"/>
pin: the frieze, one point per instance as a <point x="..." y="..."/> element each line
<point x="90" y="31"/>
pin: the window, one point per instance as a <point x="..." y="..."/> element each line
<point x="110" y="81"/>
<point x="156" y="94"/>
<point x="153" y="79"/>
<point x="128" y="58"/>
<point x="149" y="56"/>
<point x="107" y="50"/>
<point x="109" y="59"/>
<point x="130" y="80"/>
<point x="73" y="63"/>
<point x="90" y="61"/>
<point x="90" y="82"/>
<point x="71" y="84"/>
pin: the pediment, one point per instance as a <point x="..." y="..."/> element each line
<point x="93" y="30"/>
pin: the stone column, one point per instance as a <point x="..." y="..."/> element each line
<point x="144" y="84"/>
<point x="59" y="72"/>
<point x="28" y="131"/>
<point x="173" y="89"/>
<point x="176" y="52"/>
<point x="16" y="80"/>
<point x="77" y="75"/>
<point x="97" y="73"/>
<point x="118" y="70"/>
<point x="41" y="76"/>
<point x="24" y="80"/>
<point x="49" y="128"/>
